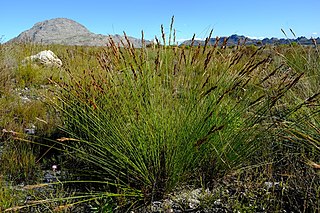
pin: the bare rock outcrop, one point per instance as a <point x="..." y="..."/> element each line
<point x="46" y="58"/>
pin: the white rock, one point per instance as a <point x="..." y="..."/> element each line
<point x="25" y="99"/>
<point x="217" y="202"/>
<point x="46" y="57"/>
<point x="31" y="130"/>
<point x="271" y="184"/>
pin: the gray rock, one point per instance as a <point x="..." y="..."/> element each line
<point x="269" y="184"/>
<point x="48" y="177"/>
<point x="31" y="130"/>
<point x="25" y="99"/>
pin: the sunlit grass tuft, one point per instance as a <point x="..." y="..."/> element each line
<point x="141" y="123"/>
<point x="150" y="119"/>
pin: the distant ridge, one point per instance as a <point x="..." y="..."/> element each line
<point x="68" y="32"/>
<point x="235" y="39"/>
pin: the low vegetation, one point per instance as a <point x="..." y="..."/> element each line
<point x="131" y="127"/>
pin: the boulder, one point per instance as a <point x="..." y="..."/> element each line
<point x="46" y="58"/>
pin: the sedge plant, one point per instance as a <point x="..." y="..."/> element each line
<point x="149" y="119"/>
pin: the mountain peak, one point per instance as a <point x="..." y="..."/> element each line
<point x="61" y="25"/>
<point x="68" y="32"/>
<point x="53" y="31"/>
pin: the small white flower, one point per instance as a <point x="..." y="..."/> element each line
<point x="54" y="167"/>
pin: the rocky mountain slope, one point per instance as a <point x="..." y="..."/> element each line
<point x="234" y="39"/>
<point x="68" y="32"/>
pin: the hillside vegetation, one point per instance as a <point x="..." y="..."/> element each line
<point x="129" y="128"/>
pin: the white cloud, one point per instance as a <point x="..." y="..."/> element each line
<point x="315" y="33"/>
<point x="255" y="37"/>
<point x="185" y="39"/>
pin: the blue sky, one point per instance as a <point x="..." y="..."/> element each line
<point x="253" y="18"/>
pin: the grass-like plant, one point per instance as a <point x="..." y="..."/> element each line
<point x="141" y="122"/>
<point x="302" y="121"/>
<point x="9" y="196"/>
<point x="18" y="163"/>
<point x="149" y="119"/>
